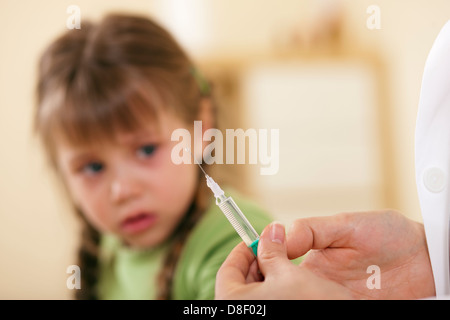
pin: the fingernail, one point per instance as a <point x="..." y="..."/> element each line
<point x="277" y="233"/>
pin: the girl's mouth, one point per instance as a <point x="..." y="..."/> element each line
<point x="138" y="223"/>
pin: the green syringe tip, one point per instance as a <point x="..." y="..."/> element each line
<point x="254" y="247"/>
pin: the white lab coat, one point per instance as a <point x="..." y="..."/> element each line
<point x="432" y="156"/>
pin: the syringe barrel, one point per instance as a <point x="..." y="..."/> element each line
<point x="239" y="222"/>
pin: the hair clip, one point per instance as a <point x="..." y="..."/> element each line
<point x="203" y="85"/>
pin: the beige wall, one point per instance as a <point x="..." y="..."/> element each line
<point x="37" y="230"/>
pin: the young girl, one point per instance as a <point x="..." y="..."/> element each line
<point x="109" y="96"/>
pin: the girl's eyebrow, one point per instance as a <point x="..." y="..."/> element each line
<point x="137" y="137"/>
<point x="84" y="154"/>
<point x="78" y="158"/>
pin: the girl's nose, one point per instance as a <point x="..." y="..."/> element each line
<point x="123" y="190"/>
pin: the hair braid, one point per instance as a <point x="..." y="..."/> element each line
<point x="88" y="253"/>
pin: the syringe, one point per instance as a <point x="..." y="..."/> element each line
<point x="233" y="214"/>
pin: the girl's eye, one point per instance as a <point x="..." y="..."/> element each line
<point x="92" y="168"/>
<point x="146" y="151"/>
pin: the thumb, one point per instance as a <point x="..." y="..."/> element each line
<point x="272" y="252"/>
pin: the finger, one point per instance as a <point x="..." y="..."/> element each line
<point x="272" y="255"/>
<point x="318" y="233"/>
<point x="235" y="269"/>
<point x="254" y="274"/>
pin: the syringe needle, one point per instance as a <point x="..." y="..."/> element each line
<point x="202" y="169"/>
<point x="195" y="161"/>
<point x="232" y="212"/>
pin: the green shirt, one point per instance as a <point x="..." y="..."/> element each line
<point x="127" y="273"/>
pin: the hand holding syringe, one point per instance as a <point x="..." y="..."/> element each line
<point x="233" y="213"/>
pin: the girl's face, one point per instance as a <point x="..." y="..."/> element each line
<point x="131" y="187"/>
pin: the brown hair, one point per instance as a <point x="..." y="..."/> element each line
<point x="105" y="78"/>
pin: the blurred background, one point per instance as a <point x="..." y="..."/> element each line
<point x="340" y="80"/>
